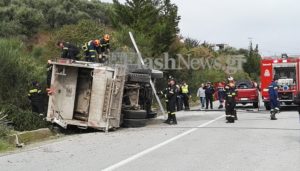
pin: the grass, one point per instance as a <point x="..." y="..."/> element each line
<point x="5" y="146"/>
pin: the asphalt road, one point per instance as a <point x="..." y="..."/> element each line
<point x="201" y="141"/>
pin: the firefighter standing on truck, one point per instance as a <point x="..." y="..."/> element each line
<point x="185" y="95"/>
<point x="36" y="98"/>
<point x="91" y="49"/>
<point x="273" y="94"/>
<point x="104" y="47"/>
<point x="230" y="94"/>
<point x="69" y="51"/>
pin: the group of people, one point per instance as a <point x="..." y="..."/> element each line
<point x="94" y="50"/>
<point x="205" y="94"/>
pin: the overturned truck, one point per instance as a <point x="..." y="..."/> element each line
<point x="99" y="96"/>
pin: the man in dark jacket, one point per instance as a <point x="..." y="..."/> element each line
<point x="230" y="94"/>
<point x="36" y="97"/>
<point x="104" y="47"/>
<point x="171" y="96"/>
<point x="69" y="50"/>
<point x="273" y="94"/>
<point x="209" y="92"/>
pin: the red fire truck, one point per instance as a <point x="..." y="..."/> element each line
<point x="286" y="69"/>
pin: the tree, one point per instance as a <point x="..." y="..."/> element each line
<point x="157" y="20"/>
<point x="252" y="66"/>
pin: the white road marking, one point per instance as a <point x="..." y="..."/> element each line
<point x="142" y="153"/>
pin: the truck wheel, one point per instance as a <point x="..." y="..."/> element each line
<point x="133" y="77"/>
<point x="157" y="74"/>
<point x="141" y="71"/>
<point x="255" y="104"/>
<point x="134" y="123"/>
<point x="267" y="106"/>
<point x="134" y="114"/>
<point x="152" y="115"/>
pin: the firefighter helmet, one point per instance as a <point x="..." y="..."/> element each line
<point x="230" y="78"/>
<point x="97" y="42"/>
<point x="106" y="37"/>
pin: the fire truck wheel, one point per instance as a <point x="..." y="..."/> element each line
<point x="255" y="104"/>
<point x="152" y="115"/>
<point x="133" y="77"/>
<point x="134" y="123"/>
<point x="134" y="114"/>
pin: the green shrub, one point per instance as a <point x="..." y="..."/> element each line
<point x="23" y="120"/>
<point x="18" y="69"/>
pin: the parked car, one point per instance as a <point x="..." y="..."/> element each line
<point x="247" y="93"/>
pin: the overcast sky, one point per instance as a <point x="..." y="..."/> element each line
<point x="273" y="24"/>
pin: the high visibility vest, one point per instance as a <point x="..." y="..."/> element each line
<point x="185" y="89"/>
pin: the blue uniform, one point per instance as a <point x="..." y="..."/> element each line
<point x="273" y="94"/>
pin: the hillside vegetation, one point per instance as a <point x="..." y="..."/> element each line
<point x="29" y="30"/>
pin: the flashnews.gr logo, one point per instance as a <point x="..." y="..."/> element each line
<point x="231" y="64"/>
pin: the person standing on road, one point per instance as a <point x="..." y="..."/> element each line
<point x="273" y="94"/>
<point x="221" y="92"/>
<point x="201" y="95"/>
<point x="69" y="51"/>
<point x="230" y="94"/>
<point x="185" y="92"/>
<point x="36" y="98"/>
<point x="179" y="103"/>
<point x="172" y="95"/>
<point x="209" y="92"/>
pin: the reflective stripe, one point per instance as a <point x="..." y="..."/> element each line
<point x="33" y="91"/>
<point x="92" y="50"/>
<point x="173" y="113"/>
<point x="65" y="48"/>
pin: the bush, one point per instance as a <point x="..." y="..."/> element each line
<point x="18" y="69"/>
<point x="4" y="131"/>
<point x="23" y="120"/>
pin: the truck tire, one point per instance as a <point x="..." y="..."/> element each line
<point x="267" y="106"/>
<point x="255" y="104"/>
<point x="141" y="71"/>
<point x="134" y="114"/>
<point x="151" y="115"/>
<point x="134" y="123"/>
<point x="157" y="74"/>
<point x="133" y="77"/>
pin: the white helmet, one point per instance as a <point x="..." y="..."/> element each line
<point x="230" y="78"/>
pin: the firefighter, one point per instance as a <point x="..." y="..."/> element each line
<point x="171" y="96"/>
<point x="104" y="47"/>
<point x="185" y="92"/>
<point x="36" y="97"/>
<point x="273" y="94"/>
<point x="69" y="51"/>
<point x="91" y="49"/>
<point x="230" y="94"/>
